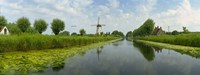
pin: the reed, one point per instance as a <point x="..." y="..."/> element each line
<point x="27" y="42"/>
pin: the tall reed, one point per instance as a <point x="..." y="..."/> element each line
<point x="26" y="42"/>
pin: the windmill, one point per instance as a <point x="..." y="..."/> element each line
<point x="99" y="26"/>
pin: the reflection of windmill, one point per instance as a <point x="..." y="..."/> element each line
<point x="99" y="50"/>
<point x="99" y="26"/>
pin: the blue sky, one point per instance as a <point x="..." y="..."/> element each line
<point x="123" y="15"/>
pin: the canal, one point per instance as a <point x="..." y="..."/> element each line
<point x="127" y="58"/>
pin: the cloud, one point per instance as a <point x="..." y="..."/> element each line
<point x="183" y="15"/>
<point x="113" y="13"/>
<point x="114" y="3"/>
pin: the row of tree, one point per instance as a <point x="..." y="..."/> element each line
<point x="40" y="25"/>
<point x="23" y="25"/>
<point x="147" y="28"/>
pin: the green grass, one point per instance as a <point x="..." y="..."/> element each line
<point x="27" y="42"/>
<point x="190" y="39"/>
<point x="23" y="63"/>
<point x="191" y="51"/>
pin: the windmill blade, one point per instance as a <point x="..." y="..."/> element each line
<point x="93" y="25"/>
<point x="73" y="26"/>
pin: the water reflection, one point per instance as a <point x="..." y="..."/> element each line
<point x="117" y="43"/>
<point x="147" y="51"/>
<point x="99" y="50"/>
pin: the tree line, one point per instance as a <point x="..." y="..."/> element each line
<point x="39" y="26"/>
<point x="23" y="25"/>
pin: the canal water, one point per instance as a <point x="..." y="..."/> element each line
<point x="128" y="58"/>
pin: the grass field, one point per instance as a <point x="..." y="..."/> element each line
<point x="26" y="42"/>
<point x="190" y="39"/>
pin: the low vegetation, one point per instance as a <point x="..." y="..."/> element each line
<point x="24" y="63"/>
<point x="26" y="42"/>
<point x="190" y="39"/>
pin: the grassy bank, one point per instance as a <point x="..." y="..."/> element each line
<point x="23" y="63"/>
<point x="192" y="51"/>
<point x="190" y="39"/>
<point x="39" y="42"/>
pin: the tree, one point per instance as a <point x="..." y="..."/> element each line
<point x="101" y="33"/>
<point x="117" y="33"/>
<point x="31" y="30"/>
<point x="82" y="32"/>
<point x="145" y="29"/>
<point x="23" y="24"/>
<point x="40" y="25"/>
<point x="185" y="30"/>
<point x="175" y="32"/>
<point x="129" y="34"/>
<point x="13" y="28"/>
<point x="74" y="34"/>
<point x="65" y="33"/>
<point x="57" y="25"/>
<point x="3" y="21"/>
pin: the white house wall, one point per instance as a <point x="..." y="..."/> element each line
<point x="2" y="31"/>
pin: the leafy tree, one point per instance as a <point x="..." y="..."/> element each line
<point x="40" y="25"/>
<point x="82" y="32"/>
<point x="23" y="24"/>
<point x="101" y="33"/>
<point x="175" y="32"/>
<point x="185" y="30"/>
<point x="3" y="21"/>
<point x="129" y="34"/>
<point x="65" y="33"/>
<point x="117" y="33"/>
<point x="13" y="28"/>
<point x="74" y="34"/>
<point x="145" y="29"/>
<point x="57" y="25"/>
<point x="31" y="30"/>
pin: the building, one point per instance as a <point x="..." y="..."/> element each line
<point x="158" y="31"/>
<point x="4" y="31"/>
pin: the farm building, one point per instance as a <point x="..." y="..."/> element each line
<point x="158" y="31"/>
<point x="4" y="31"/>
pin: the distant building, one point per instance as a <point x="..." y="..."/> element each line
<point x="158" y="31"/>
<point x="4" y="31"/>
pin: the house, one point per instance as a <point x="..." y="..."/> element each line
<point x="4" y="31"/>
<point x="158" y="31"/>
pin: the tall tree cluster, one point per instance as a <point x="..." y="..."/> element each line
<point x="145" y="29"/>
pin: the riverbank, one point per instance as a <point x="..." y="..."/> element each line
<point x="26" y="42"/>
<point x="187" y="39"/>
<point x="192" y="51"/>
<point x="22" y="63"/>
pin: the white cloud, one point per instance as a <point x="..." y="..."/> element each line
<point x="183" y="15"/>
<point x="114" y="3"/>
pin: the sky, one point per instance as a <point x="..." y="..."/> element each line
<point x="122" y="15"/>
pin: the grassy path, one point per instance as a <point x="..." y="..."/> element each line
<point x="192" y="51"/>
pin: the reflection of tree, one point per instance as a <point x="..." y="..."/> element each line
<point x="146" y="51"/>
<point x="117" y="43"/>
<point x="99" y="50"/>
